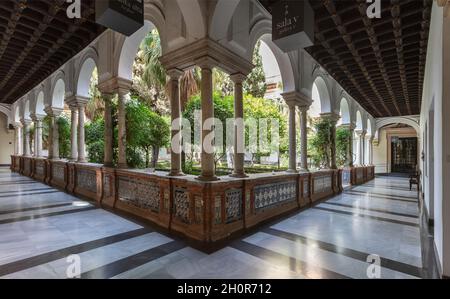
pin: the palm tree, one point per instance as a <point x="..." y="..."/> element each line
<point x="154" y="74"/>
<point x="95" y="107"/>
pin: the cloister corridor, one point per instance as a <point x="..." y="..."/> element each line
<point x="41" y="226"/>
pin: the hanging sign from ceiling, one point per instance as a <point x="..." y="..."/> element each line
<point x="292" y="24"/>
<point x="124" y="16"/>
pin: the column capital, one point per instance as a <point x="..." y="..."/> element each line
<point x="175" y="74"/>
<point x="26" y="122"/>
<point x="330" y="116"/>
<point x="37" y="117"/>
<point x="350" y="127"/>
<point x="77" y="101"/>
<point x="206" y="62"/>
<point x="297" y="98"/>
<point x="360" y="133"/>
<point x="53" y="111"/>
<point x="238" y="78"/>
<point x="114" y="85"/>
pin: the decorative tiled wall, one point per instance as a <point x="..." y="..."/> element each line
<point x="87" y="180"/>
<point x="233" y="205"/>
<point x="181" y="204"/>
<point x="274" y="194"/>
<point x="140" y="193"/>
<point x="58" y="172"/>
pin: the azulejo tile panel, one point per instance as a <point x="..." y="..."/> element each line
<point x="39" y="167"/>
<point x="87" y="180"/>
<point x="140" y="193"/>
<point x="270" y="195"/>
<point x="58" y="172"/>
<point x="322" y="184"/>
<point x="181" y="204"/>
<point x="233" y="204"/>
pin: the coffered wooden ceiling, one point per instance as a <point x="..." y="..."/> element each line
<point x="380" y="62"/>
<point x="37" y="38"/>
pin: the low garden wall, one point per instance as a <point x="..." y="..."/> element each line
<point x="204" y="211"/>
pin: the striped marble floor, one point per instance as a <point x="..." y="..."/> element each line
<point x="40" y="227"/>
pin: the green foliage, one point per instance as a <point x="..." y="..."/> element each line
<point x="64" y="136"/>
<point x="146" y="131"/>
<point x="95" y="140"/>
<point x="320" y="143"/>
<point x="256" y="80"/>
<point x="154" y="73"/>
<point x="342" y="143"/>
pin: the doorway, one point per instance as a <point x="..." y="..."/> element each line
<point x="404" y="154"/>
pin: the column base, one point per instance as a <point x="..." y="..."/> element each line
<point x="108" y="165"/>
<point x="238" y="175"/>
<point x="122" y="166"/>
<point x="292" y="171"/>
<point x="176" y="173"/>
<point x="82" y="161"/>
<point x="304" y="170"/>
<point x="207" y="178"/>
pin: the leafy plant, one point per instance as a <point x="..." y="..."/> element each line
<point x="342" y="145"/>
<point x="64" y="136"/>
<point x="256" y="80"/>
<point x="320" y="143"/>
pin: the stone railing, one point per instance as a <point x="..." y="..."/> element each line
<point x="203" y="211"/>
<point x="358" y="175"/>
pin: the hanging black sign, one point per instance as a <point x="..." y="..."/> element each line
<point x="292" y="24"/>
<point x="124" y="16"/>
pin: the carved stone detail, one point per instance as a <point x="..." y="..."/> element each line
<point x="274" y="194"/>
<point x="140" y="193"/>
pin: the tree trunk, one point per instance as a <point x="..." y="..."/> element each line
<point x="147" y="157"/>
<point x="155" y="156"/>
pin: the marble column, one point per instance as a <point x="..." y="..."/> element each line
<point x="333" y="118"/>
<point x="239" y="133"/>
<point x="292" y="140"/>
<point x="371" y="150"/>
<point x="304" y="138"/>
<point x="53" y="134"/>
<point x="208" y="172"/>
<point x="55" y="137"/>
<point x="350" y="146"/>
<point x="26" y="138"/>
<point x="122" y="128"/>
<point x="360" y="146"/>
<point x="108" y="158"/>
<point x="17" y="140"/>
<point x="73" y="133"/>
<point x="81" y="140"/>
<point x="38" y="137"/>
<point x="175" y="109"/>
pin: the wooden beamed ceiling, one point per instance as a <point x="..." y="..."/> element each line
<point x="380" y="62"/>
<point x="37" y="38"/>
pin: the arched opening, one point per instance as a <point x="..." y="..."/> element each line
<point x="321" y="98"/>
<point x="40" y="106"/>
<point x="58" y="95"/>
<point x="26" y="111"/>
<point x="396" y="150"/>
<point x="344" y="112"/>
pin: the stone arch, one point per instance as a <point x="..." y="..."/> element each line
<point x="129" y="46"/>
<point x="57" y="91"/>
<point x="26" y="110"/>
<point x="17" y="113"/>
<point x="368" y="127"/>
<point x="262" y="30"/>
<point x="193" y="16"/>
<point x="58" y="94"/>
<point x="320" y="96"/>
<point x="88" y="62"/>
<point x="359" y="120"/>
<point x="407" y="120"/>
<point x="7" y="111"/>
<point x="129" y="50"/>
<point x="221" y="19"/>
<point x="344" y="111"/>
<point x="39" y="104"/>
